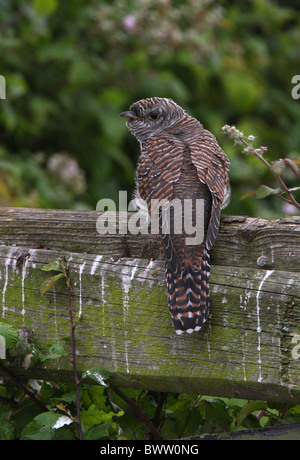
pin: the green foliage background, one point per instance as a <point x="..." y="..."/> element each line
<point x="71" y="67"/>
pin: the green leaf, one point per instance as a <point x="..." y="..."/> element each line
<point x="9" y="333"/>
<point x="53" y="266"/>
<point x="248" y="409"/>
<point x="45" y="7"/>
<point x="41" y="428"/>
<point x="277" y="167"/>
<point x="47" y="418"/>
<point x="98" y="374"/>
<point x="96" y="432"/>
<point x="263" y="191"/>
<point x="7" y="430"/>
<point x="216" y="415"/>
<point x="66" y="397"/>
<point x="95" y="394"/>
<point x="93" y="416"/>
<point x="293" y="164"/>
<point x="37" y="432"/>
<point x="55" y="351"/>
<point x="49" y="282"/>
<point x="295" y="410"/>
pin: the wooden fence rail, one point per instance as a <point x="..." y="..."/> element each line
<point x="249" y="348"/>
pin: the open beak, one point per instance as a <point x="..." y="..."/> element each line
<point x="129" y="114"/>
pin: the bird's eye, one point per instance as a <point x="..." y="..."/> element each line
<point x="153" y="115"/>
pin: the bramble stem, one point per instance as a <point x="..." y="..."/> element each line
<point x="239" y="138"/>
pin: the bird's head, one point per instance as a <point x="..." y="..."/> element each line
<point x="151" y="116"/>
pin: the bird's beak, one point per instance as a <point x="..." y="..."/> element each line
<point x="129" y="114"/>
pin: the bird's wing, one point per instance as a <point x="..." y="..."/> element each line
<point x="212" y="169"/>
<point x="159" y="167"/>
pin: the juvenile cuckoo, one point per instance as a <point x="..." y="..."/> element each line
<point x="181" y="161"/>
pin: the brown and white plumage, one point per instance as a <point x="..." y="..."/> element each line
<point x="181" y="160"/>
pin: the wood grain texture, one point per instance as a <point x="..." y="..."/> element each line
<point x="246" y="349"/>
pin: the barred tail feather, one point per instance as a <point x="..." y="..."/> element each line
<point x="188" y="296"/>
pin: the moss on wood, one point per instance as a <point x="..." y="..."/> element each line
<point x="244" y="350"/>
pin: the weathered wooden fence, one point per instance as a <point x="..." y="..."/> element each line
<point x="249" y="348"/>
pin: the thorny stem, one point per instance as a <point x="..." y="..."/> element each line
<point x="73" y="359"/>
<point x="239" y="137"/>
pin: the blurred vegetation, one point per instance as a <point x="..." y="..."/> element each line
<point x="71" y="67"/>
